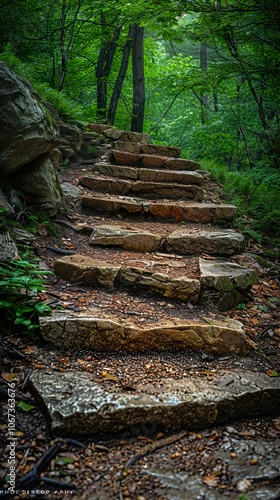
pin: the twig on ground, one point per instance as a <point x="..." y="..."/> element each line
<point x="149" y="448"/>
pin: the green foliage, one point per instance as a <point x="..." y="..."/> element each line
<point x="256" y="195"/>
<point x="20" y="283"/>
<point x="68" y="108"/>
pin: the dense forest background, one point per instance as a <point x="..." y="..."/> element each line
<point x="199" y="74"/>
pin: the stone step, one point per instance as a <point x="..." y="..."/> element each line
<point x="224" y="284"/>
<point x="148" y="174"/>
<point x="155" y="189"/>
<point x="115" y="134"/>
<point x="178" y="211"/>
<point x="95" y="331"/>
<point x="79" y="268"/>
<point x="77" y="404"/>
<point x="221" y="284"/>
<point x="185" y="241"/>
<point x="128" y="158"/>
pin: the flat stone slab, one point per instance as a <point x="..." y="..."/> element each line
<point x="225" y="284"/>
<point x="224" y="242"/>
<point x="192" y="212"/>
<point x="182" y="241"/>
<point x="79" y="268"/>
<point x="148" y="174"/>
<point x="95" y="331"/>
<point x="74" y="404"/>
<point x="179" y="211"/>
<point x="128" y="187"/>
<point x="115" y="205"/>
<point x="129" y="239"/>
<point x="152" y="157"/>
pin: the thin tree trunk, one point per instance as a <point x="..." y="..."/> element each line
<point x="204" y="99"/>
<point x="65" y="47"/>
<point x="121" y="76"/>
<point x="138" y="80"/>
<point x="103" y="68"/>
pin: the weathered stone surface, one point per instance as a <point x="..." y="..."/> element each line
<point x="225" y="284"/>
<point x="27" y="129"/>
<point x="167" y="190"/>
<point x="71" y="139"/>
<point x="225" y="276"/>
<point x="136" y="137"/>
<point x="267" y="467"/>
<point x="129" y="239"/>
<point x="112" y="204"/>
<point x="116" y="170"/>
<point x="153" y="175"/>
<point x="161" y="150"/>
<point x="111" y="185"/>
<point x="94" y="331"/>
<point x="76" y="268"/>
<point x="79" y="268"/>
<point x="126" y="158"/>
<point x="8" y="248"/>
<point x="98" y="127"/>
<point x="193" y="212"/>
<point x="181" y="288"/>
<point x="131" y="147"/>
<point x="183" y="241"/>
<point x="181" y="164"/>
<point x="147" y="174"/>
<point x="152" y="161"/>
<point x="40" y="182"/>
<point x="127" y="187"/>
<point x="70" y="190"/>
<point x="112" y="133"/>
<point x="179" y="211"/>
<point x="225" y="242"/>
<point x="77" y="405"/>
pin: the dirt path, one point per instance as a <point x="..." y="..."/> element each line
<point x="237" y="460"/>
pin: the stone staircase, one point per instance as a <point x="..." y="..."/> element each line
<point x="140" y="188"/>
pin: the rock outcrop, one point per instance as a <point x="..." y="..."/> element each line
<point x="28" y="135"/>
<point x="27" y="129"/>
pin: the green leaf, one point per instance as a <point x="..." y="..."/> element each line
<point x="25" y="406"/>
<point x="242" y="306"/>
<point x="263" y="309"/>
<point x="272" y="373"/>
<point x="64" y="460"/>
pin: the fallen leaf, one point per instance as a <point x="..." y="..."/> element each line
<point x="30" y="349"/>
<point x="64" y="361"/>
<point x="109" y="376"/>
<point x="9" y="377"/>
<point x="272" y="373"/>
<point x="25" y="406"/>
<point x="211" y="479"/>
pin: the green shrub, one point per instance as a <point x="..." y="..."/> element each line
<point x="256" y="195"/>
<point x="20" y="283"/>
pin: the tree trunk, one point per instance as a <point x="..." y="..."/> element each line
<point x="121" y="76"/>
<point x="204" y="99"/>
<point x="66" y="46"/>
<point x="138" y="80"/>
<point x="103" y="68"/>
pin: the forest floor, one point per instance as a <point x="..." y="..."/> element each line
<point x="238" y="460"/>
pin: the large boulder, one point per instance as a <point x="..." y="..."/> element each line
<point x="27" y="129"/>
<point x="39" y="181"/>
